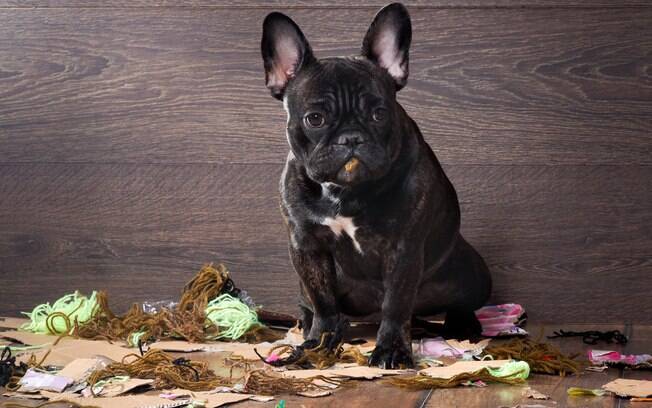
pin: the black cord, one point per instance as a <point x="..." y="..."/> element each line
<point x="8" y="367"/>
<point x="592" y="337"/>
<point x="184" y="362"/>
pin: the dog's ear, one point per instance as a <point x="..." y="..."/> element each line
<point x="285" y="51"/>
<point x="387" y="42"/>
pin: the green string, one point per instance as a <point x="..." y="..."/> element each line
<point x="579" y="392"/>
<point x="233" y="317"/>
<point x="135" y="338"/>
<point x="511" y="370"/>
<point x="118" y="379"/>
<point x="60" y="317"/>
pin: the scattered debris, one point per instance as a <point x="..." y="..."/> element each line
<point x="534" y="394"/>
<point x="601" y="357"/>
<point x="502" y="320"/>
<point x="579" y="392"/>
<point x="629" y="388"/>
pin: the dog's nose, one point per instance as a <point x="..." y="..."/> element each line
<point x="351" y="139"/>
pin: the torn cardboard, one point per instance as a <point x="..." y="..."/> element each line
<point x="113" y="389"/>
<point x="127" y="401"/>
<point x="630" y="388"/>
<point x="244" y="350"/>
<point x="70" y="349"/>
<point x="359" y="372"/>
<point x="12" y="322"/>
<point x="460" y="367"/>
<point x="31" y="339"/>
<point x="79" y="370"/>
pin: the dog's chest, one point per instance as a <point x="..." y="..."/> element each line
<point x="340" y="225"/>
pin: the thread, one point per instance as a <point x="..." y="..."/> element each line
<point x="592" y="337"/>
<point x="10" y="372"/>
<point x="265" y="382"/>
<point x="60" y="317"/>
<point x="231" y="316"/>
<point x="542" y="357"/>
<point x="166" y="371"/>
<point x="321" y="356"/>
<point x="202" y="314"/>
<point x="514" y="372"/>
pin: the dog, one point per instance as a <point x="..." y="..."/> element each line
<point x="373" y="221"/>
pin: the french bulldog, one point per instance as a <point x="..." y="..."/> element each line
<point x="373" y="221"/>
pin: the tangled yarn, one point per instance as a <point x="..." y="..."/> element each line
<point x="207" y="310"/>
<point x="542" y="357"/>
<point x="165" y="370"/>
<point x="513" y="372"/>
<point x="231" y="316"/>
<point x="61" y="317"/>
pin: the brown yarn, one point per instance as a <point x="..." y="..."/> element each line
<point x="165" y="370"/>
<point x="187" y="321"/>
<point x="265" y="382"/>
<point x="320" y="356"/>
<point x="422" y="382"/>
<point x="206" y="285"/>
<point x="543" y="358"/>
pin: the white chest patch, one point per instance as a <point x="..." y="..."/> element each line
<point x="341" y="224"/>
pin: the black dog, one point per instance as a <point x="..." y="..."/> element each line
<point x="373" y="221"/>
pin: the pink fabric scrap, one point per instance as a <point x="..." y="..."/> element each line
<point x="614" y="357"/>
<point x="272" y="358"/>
<point x="501" y="320"/>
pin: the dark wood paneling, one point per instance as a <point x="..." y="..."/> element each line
<point x="489" y="86"/>
<point x="571" y="243"/>
<point x="454" y="4"/>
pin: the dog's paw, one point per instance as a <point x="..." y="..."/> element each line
<point x="395" y="355"/>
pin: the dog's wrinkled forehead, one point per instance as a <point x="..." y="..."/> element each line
<point x="341" y="84"/>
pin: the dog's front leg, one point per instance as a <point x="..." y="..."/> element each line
<point x="403" y="271"/>
<point x="317" y="273"/>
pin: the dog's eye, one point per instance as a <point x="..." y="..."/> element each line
<point x="314" y="119"/>
<point x="379" y="114"/>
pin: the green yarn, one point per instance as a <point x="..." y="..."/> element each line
<point x="233" y="317"/>
<point x="511" y="370"/>
<point x="580" y="392"/>
<point x="60" y="317"/>
<point x="118" y="379"/>
<point x="135" y="338"/>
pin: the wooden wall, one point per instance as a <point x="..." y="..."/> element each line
<point x="137" y="141"/>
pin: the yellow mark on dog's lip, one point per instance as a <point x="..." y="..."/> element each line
<point x="351" y="164"/>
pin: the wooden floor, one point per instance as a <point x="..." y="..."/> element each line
<point x="374" y="393"/>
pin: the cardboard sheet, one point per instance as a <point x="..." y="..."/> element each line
<point x="360" y="372"/>
<point x="127" y="401"/>
<point x="12" y="322"/>
<point x="630" y="388"/>
<point x="117" y="388"/>
<point x="81" y="368"/>
<point x="461" y="367"/>
<point x="244" y="350"/>
<point x="70" y="349"/>
<point x="31" y="339"/>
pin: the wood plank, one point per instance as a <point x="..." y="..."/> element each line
<point x="552" y="86"/>
<point x="566" y="242"/>
<point x="530" y="4"/>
